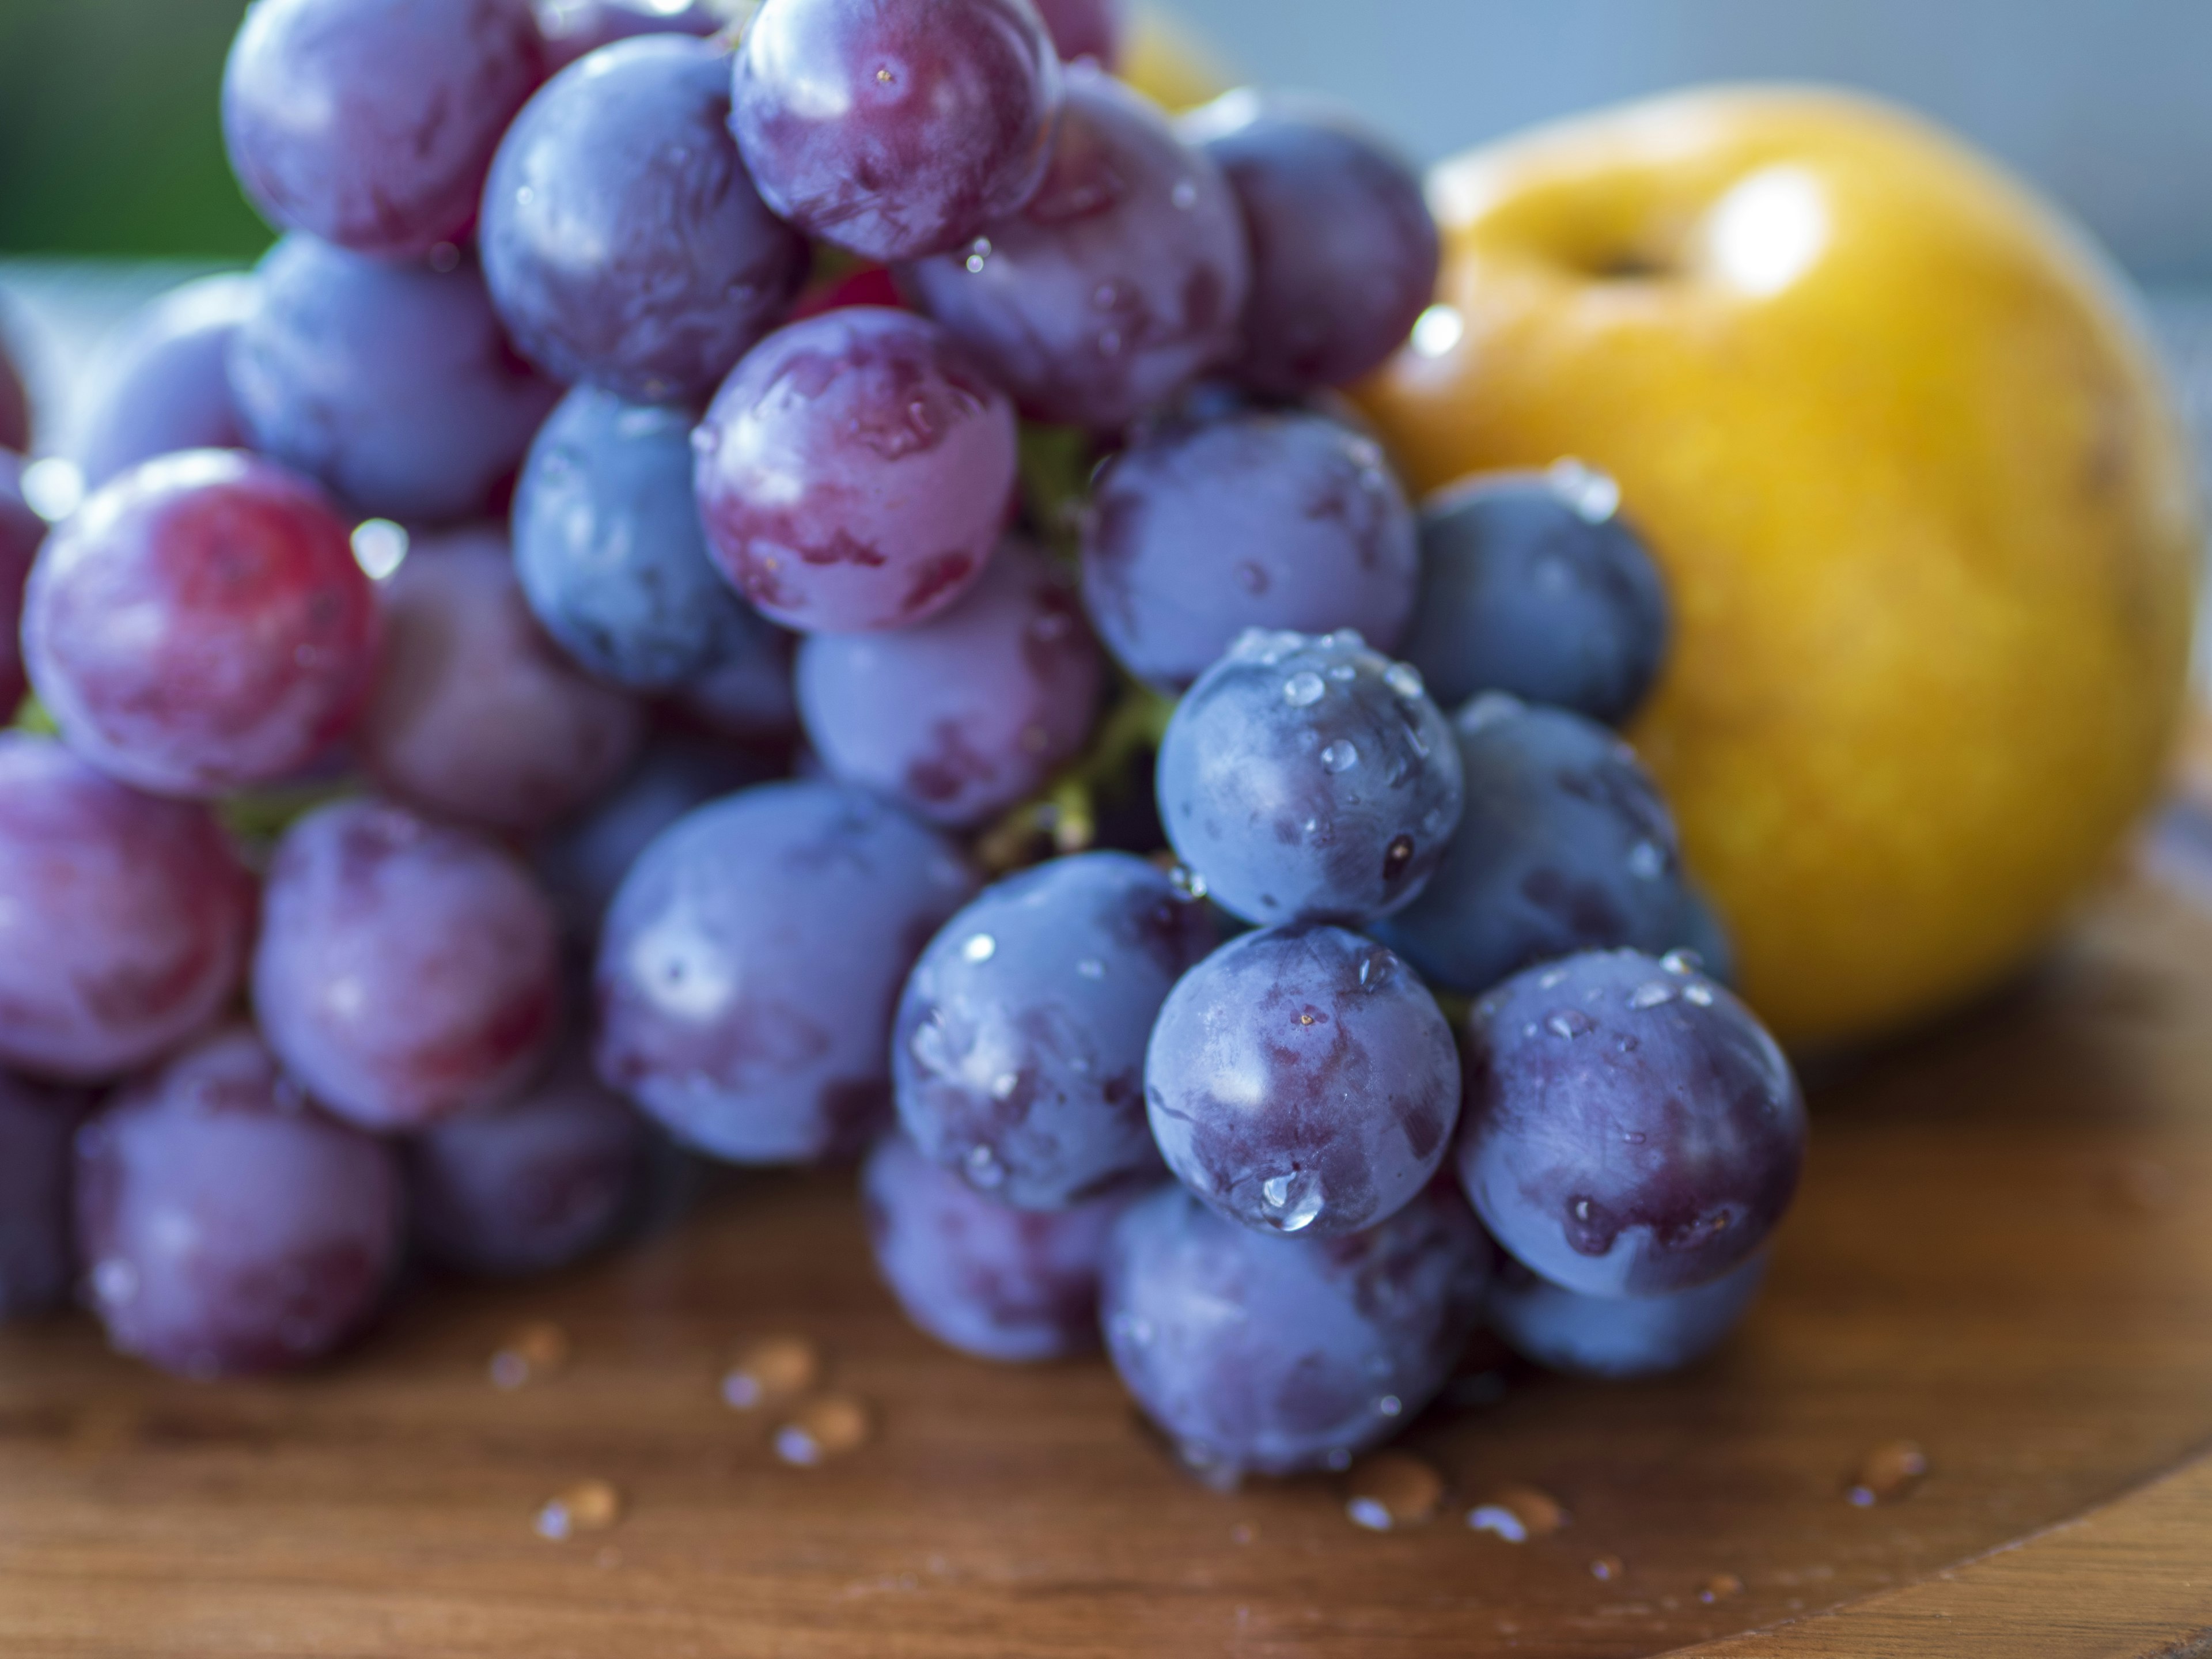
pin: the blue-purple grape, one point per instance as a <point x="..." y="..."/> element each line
<point x="855" y="472"/>
<point x="1019" y="1049"/>
<point x="1618" y="1337"/>
<point x="1121" y="281"/>
<point x="1001" y="1284"/>
<point x="164" y="382"/>
<point x="1258" y="1354"/>
<point x="1534" y="585"/>
<point x="36" y="1254"/>
<point x="573" y="29"/>
<point x="1564" y="844"/>
<point x="749" y="967"/>
<point x="895" y="130"/>
<point x="406" y="971"/>
<point x="622" y="241"/>
<point x="371" y="123"/>
<point x="225" y="1225"/>
<point x="959" y="718"/>
<point x="390" y="384"/>
<point x="1302" y="1080"/>
<point x="1086" y="28"/>
<point x="124" y="920"/>
<point x="1344" y="251"/>
<point x="1273" y="519"/>
<point x="21" y="531"/>
<point x="1308" y="779"/>
<point x="1630" y="1128"/>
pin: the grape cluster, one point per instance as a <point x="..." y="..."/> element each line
<point x="803" y="589"/>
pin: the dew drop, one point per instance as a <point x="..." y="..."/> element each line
<point x="1891" y="1471"/>
<point x="1340" y="757"/>
<point x="1302" y="691"/>
<point x="1610" y="1568"/>
<point x="822" y="1429"/>
<point x="979" y="255"/>
<point x="587" y="1506"/>
<point x="1499" y="1521"/>
<point x="1391" y="1490"/>
<point x="1550" y="979"/>
<point x="984" y="1168"/>
<point x="538" y="1350"/>
<point x="1390" y="1406"/>
<point x="1569" y="1022"/>
<point x="1646" y="862"/>
<point x="1721" y="1586"/>
<point x="1594" y="496"/>
<point x="1488" y="710"/>
<point x="1396" y="857"/>
<point x="1699" y="996"/>
<point x="980" y="948"/>
<point x="1404" y="680"/>
<point x="1682" y="962"/>
<point x="1652" y="993"/>
<point x="768" y="1372"/>
<point x="1003" y="1087"/>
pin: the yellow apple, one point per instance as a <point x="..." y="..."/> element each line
<point x="1926" y="509"/>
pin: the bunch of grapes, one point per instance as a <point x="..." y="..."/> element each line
<point x="801" y="583"/>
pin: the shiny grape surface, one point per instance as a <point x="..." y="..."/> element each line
<point x="200" y="625"/>
<point x="574" y="27"/>
<point x="478" y="718"/>
<point x="961" y="716"/>
<point x="895" y="130"/>
<point x="226" y="1226"/>
<point x="750" y="965"/>
<point x="392" y="384"/>
<point x="21" y="531"/>
<point x="124" y="920"/>
<point x="164" y="384"/>
<point x="406" y="971"/>
<point x="1019" y="1049"/>
<point x="1263" y="1355"/>
<point x="1619" y="1336"/>
<point x="855" y="472"/>
<point x="1274" y="519"/>
<point x="371" y="123"/>
<point x="1630" y="1128"/>
<point x="1309" y="779"/>
<point x="622" y="240"/>
<point x="36" y="1252"/>
<point x="1002" y="1284"/>
<point x="1121" y="281"/>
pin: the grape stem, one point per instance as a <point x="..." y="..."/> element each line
<point x="1065" y="811"/>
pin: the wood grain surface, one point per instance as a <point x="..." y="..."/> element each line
<point x="2002" y="1253"/>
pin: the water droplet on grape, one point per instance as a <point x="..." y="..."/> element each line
<point x="981" y="948"/>
<point x="1389" y="1405"/>
<point x="1302" y="691"/>
<point x="1340" y="756"/>
<point x="984" y="1168"/>
<point x="1004" y="1085"/>
<point x="1092" y="967"/>
<point x="1396" y="857"/>
<point x="1595" y="497"/>
<point x="1404" y="680"/>
<point x="1700" y="995"/>
<point x="1682" y="962"/>
<point x="979" y="255"/>
<point x="1646" y="862"/>
<point x="1569" y="1022"/>
<point x="1652" y="993"/>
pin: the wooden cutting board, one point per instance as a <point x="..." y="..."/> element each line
<point x="2003" y="1252"/>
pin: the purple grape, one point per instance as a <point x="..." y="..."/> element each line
<point x="1309" y="779"/>
<point x="15" y="407"/>
<point x="1344" y="252"/>
<point x="1533" y="585"/>
<point x="1121" y="283"/>
<point x="895" y="130"/>
<point x="200" y="625"/>
<point x="961" y="717"/>
<point x="1086" y="28"/>
<point x="1565" y="846"/>
<point x="748" y="969"/>
<point x="21" y="531"/>
<point x="1274" y="519"/>
<point x="479" y="719"/>
<point x="1256" y="1354"/>
<point x="392" y="384"/>
<point x="998" y="1283"/>
<point x="1619" y="1336"/>
<point x="125" y="920"/>
<point x="1630" y="1128"/>
<point x="371" y="123"/>
<point x="750" y="698"/>
<point x="532" y="1184"/>
<point x="621" y="239"/>
<point x="226" y="1226"/>
<point x="36" y="1266"/>
<point x="611" y="553"/>
<point x="573" y="29"/>
<point x="164" y="384"/>
<point x="406" y="972"/>
<point x="1019" y="1049"/>
<point x="855" y="472"/>
<point x="1302" y="1080"/>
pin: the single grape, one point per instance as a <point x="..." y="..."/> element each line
<point x="1121" y="281"/>
<point x="125" y="920"/>
<point x="371" y="123"/>
<point x="36" y="1127"/>
<point x="1002" y="1284"/>
<point x="392" y="384"/>
<point x="573" y="29"/>
<point x="1086" y="28"/>
<point x="21" y="531"/>
<point x="1565" y="846"/>
<point x="226" y="1225"/>
<point x="478" y="718"/>
<point x="529" y="1184"/>
<point x="895" y="130"/>
<point x="1274" y="519"/>
<point x="200" y="626"/>
<point x="406" y="971"/>
<point x="1019" y="1049"/>
<point x="967" y="713"/>
<point x="1534" y="584"/>
<point x="751" y="698"/>
<point x="163" y="383"/>
<point x="748" y="969"/>
<point x="621" y="239"/>
<point x="1630" y="1128"/>
<point x="1309" y="779"/>
<point x="855" y="472"/>
<point x="1257" y="1354"/>
<point x="1344" y="252"/>
<point x="1619" y="1336"/>
<point x="14" y="406"/>
<point x="609" y="547"/>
